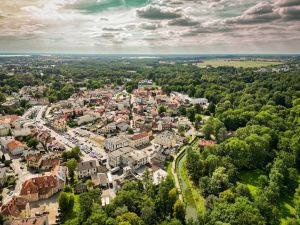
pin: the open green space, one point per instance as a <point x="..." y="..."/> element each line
<point x="236" y="63"/>
<point x="286" y="203"/>
<point x="250" y="178"/>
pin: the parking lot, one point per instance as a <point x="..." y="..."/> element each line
<point x="89" y="147"/>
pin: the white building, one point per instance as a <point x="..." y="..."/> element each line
<point x="115" y="143"/>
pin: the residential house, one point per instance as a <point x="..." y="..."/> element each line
<point x="16" y="207"/>
<point x="5" y="140"/>
<point x="108" y="129"/>
<point x="114" y="143"/>
<point x="6" y="123"/>
<point x="38" y="220"/>
<point x="45" y="186"/>
<point x="138" y="140"/>
<point x="87" y="168"/>
<point x="15" y="147"/>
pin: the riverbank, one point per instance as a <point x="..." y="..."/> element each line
<point x="188" y="192"/>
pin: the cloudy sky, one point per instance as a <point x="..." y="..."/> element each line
<point x="150" y="26"/>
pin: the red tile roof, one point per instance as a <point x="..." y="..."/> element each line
<point x="204" y="143"/>
<point x="14" y="144"/>
<point x="14" y="206"/>
<point x="139" y="136"/>
<point x="41" y="185"/>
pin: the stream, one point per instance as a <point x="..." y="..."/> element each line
<point x="191" y="210"/>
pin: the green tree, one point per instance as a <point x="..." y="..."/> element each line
<point x="198" y="119"/>
<point x="162" y="109"/>
<point x="240" y="212"/>
<point x="32" y="142"/>
<point x="179" y="210"/>
<point x="66" y="201"/>
<point x="191" y="114"/>
<point x="129" y="217"/>
<point x="71" y="165"/>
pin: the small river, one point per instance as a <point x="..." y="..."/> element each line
<point x="191" y="210"/>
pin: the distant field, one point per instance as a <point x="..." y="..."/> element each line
<point x="235" y="63"/>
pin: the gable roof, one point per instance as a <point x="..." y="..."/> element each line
<point x="14" y="206"/>
<point x="41" y="185"/>
<point x="87" y="165"/>
<point x="14" y="144"/>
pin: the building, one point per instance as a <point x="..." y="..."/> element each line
<point x="115" y="143"/>
<point x="138" y="140"/>
<point x="135" y="159"/>
<point x="38" y="220"/>
<point x="16" y="207"/>
<point x="166" y="139"/>
<point x="4" y="129"/>
<point x="80" y="188"/>
<point x="115" y="158"/>
<point x="100" y="180"/>
<point x="21" y="132"/>
<point x="205" y="143"/>
<point x="15" y="147"/>
<point x="42" y="161"/>
<point x="2" y="176"/>
<point x="87" y="168"/>
<point x="44" y="186"/>
<point x="127" y="156"/>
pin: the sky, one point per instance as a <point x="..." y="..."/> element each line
<point x="150" y="26"/>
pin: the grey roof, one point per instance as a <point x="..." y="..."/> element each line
<point x="121" y="151"/>
<point x="86" y="165"/>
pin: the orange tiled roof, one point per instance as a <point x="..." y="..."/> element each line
<point x="14" y="206"/>
<point x="41" y="185"/>
<point x="14" y="144"/>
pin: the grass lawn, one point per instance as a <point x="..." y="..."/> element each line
<point x="192" y="193"/>
<point x="244" y="64"/>
<point x="285" y="205"/>
<point x="250" y="178"/>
